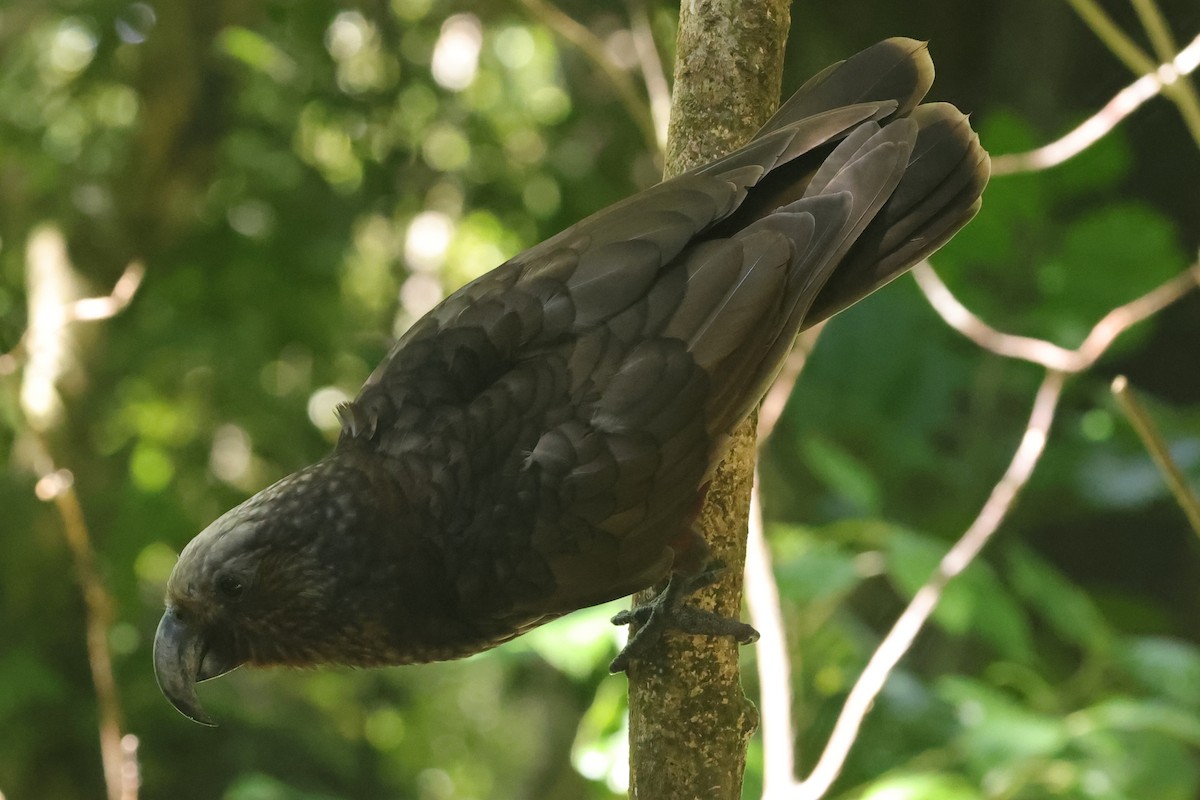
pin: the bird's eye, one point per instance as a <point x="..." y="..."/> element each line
<point x="229" y="586"/>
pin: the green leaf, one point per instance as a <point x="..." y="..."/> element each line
<point x="1065" y="606"/>
<point x="577" y="643"/>
<point x="813" y="569"/>
<point x="922" y="786"/>
<point x="1101" y="166"/>
<point x="1143" y="716"/>
<point x="259" y="786"/>
<point x="1136" y="751"/>
<point x="975" y="601"/>
<point x="1168" y="667"/>
<point x="996" y="727"/>
<point x="1107" y="257"/>
<point x="1016" y="210"/>
<point x="842" y="473"/>
<point x="256" y="52"/>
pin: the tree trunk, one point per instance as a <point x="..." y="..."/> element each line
<point x="689" y="721"/>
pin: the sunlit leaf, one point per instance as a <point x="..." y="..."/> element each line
<point x="922" y="786"/>
<point x="817" y="570"/>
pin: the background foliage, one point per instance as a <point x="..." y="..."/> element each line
<point x="303" y="180"/>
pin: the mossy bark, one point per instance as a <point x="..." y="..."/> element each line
<point x="689" y="719"/>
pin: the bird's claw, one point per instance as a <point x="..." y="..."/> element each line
<point x="667" y="612"/>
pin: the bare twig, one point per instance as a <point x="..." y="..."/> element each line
<point x="774" y="668"/>
<point x="1180" y="92"/>
<point x="42" y="350"/>
<point x="1039" y="351"/>
<point x="588" y="44"/>
<point x="1163" y="42"/>
<point x="1124" y="317"/>
<point x="959" y="317"/>
<point x="653" y="73"/>
<point x="1110" y="33"/>
<point x="1059" y="362"/>
<point x="1124" y="103"/>
<point x="118" y="753"/>
<point x="1156" y="28"/>
<point x="762" y="593"/>
<point x="900" y="638"/>
<point x="1148" y="432"/>
<point x="777" y="396"/>
<point x="88" y="309"/>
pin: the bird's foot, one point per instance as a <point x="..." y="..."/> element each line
<point x="668" y="612"/>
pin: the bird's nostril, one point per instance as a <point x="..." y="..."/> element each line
<point x="178" y="614"/>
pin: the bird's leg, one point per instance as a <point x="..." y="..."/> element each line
<point x="667" y="611"/>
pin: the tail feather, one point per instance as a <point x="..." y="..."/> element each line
<point x="896" y="69"/>
<point x="869" y="171"/>
<point x="899" y="182"/>
<point x="799" y="136"/>
<point x="938" y="194"/>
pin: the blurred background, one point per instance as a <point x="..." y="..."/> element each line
<point x="300" y="181"/>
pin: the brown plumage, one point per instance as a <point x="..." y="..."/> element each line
<point x="538" y="442"/>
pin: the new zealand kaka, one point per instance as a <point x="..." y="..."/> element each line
<point x="539" y="441"/>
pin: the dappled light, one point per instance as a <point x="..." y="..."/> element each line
<point x="456" y="54"/>
<point x="52" y="286"/>
<point x="216" y="219"/>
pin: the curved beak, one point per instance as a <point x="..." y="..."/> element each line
<point x="182" y="658"/>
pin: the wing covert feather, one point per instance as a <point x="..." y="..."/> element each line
<point x="578" y="397"/>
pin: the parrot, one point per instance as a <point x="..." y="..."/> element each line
<point x="542" y="440"/>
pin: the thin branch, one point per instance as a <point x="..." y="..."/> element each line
<point x="1110" y="33"/>
<point x="590" y="45"/>
<point x="1180" y="92"/>
<point x="777" y="396"/>
<point x="1124" y="317"/>
<point x="51" y="314"/>
<point x="898" y="641"/>
<point x="657" y="88"/>
<point x="118" y="753"/>
<point x="1060" y="363"/>
<point x="88" y="309"/>
<point x="1163" y="42"/>
<point x="1100" y="124"/>
<point x="1039" y="351"/>
<point x="963" y="320"/>
<point x="1154" y="443"/>
<point x="762" y="595"/>
<point x="1156" y="28"/>
<point x="771" y="655"/>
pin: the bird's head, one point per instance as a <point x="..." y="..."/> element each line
<point x="258" y="587"/>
